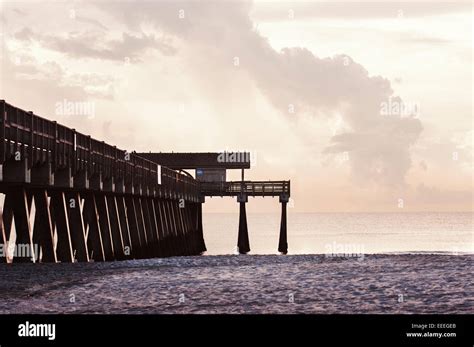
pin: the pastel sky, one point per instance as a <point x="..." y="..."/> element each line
<point x="364" y="106"/>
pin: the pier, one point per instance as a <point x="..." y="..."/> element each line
<point x="211" y="172"/>
<point x="69" y="197"/>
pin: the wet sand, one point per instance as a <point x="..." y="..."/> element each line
<point x="403" y="283"/>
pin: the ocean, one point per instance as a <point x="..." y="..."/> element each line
<point x="320" y="233"/>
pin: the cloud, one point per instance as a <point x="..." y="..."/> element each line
<point x="31" y="85"/>
<point x="380" y="153"/>
<point x="95" y="45"/>
<point x="240" y="105"/>
<point x="215" y="35"/>
<point x="379" y="146"/>
<point x="25" y="34"/>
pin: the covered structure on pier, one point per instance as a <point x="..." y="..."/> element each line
<point x="211" y="171"/>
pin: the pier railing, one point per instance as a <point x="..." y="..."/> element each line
<point x="250" y="188"/>
<point x="24" y="135"/>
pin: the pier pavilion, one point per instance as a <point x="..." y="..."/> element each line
<point x="211" y="172"/>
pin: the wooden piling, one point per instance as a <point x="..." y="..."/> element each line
<point x="243" y="239"/>
<point x="92" y="227"/>
<point x="64" y="250"/>
<point x="135" y="237"/>
<point x="76" y="225"/>
<point x="43" y="227"/>
<point x="124" y="226"/>
<point x="104" y="221"/>
<point x="115" y="227"/>
<point x="200" y="233"/>
<point x="283" y="243"/>
<point x="23" y="227"/>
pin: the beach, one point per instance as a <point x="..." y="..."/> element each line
<point x="378" y="283"/>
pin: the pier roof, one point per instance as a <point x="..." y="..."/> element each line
<point x="209" y="160"/>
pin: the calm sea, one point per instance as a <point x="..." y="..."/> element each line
<point x="359" y="232"/>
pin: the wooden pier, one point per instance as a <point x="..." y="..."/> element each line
<point x="68" y="197"/>
<point x="214" y="184"/>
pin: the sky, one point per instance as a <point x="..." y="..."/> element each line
<point x="364" y="106"/>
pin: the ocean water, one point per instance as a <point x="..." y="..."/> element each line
<point x="318" y="233"/>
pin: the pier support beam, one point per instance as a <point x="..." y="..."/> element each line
<point x="150" y="226"/>
<point x="135" y="239"/>
<point x="243" y="239"/>
<point x="21" y="213"/>
<point x="104" y="222"/>
<point x="124" y="225"/>
<point x="6" y="225"/>
<point x="200" y="233"/>
<point x="173" y="232"/>
<point x="74" y="208"/>
<point x="142" y="228"/>
<point x="283" y="242"/>
<point x="92" y="225"/>
<point x="64" y="250"/>
<point x="155" y="218"/>
<point x="165" y="244"/>
<point x="115" y="227"/>
<point x="43" y="227"/>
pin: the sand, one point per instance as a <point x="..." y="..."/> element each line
<point x="403" y="283"/>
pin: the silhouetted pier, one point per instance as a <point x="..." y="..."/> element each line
<point x="211" y="174"/>
<point x="69" y="197"/>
